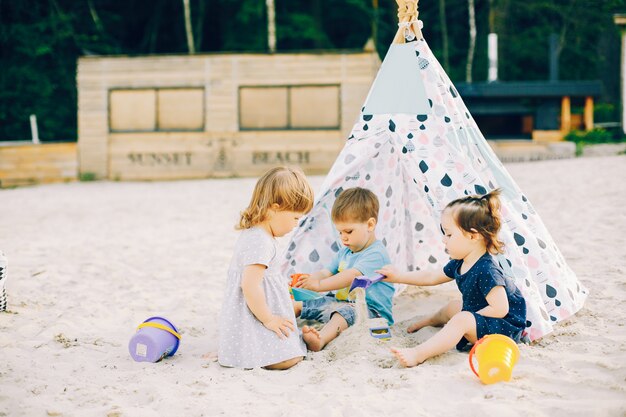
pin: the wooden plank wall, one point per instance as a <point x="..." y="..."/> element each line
<point x="27" y="164"/>
<point x="152" y="156"/>
<point x="221" y="149"/>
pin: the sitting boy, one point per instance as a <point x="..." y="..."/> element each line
<point x="354" y="214"/>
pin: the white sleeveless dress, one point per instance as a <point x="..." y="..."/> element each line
<point x="244" y="342"/>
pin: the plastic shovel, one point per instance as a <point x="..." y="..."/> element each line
<point x="364" y="282"/>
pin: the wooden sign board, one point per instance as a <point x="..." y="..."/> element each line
<point x="198" y="155"/>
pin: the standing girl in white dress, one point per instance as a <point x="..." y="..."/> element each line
<point x="257" y="323"/>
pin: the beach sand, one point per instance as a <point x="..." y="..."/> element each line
<point x="90" y="261"/>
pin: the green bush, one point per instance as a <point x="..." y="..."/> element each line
<point x="592" y="136"/>
<point x="87" y="176"/>
<point x="605" y="112"/>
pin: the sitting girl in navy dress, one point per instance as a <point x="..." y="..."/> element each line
<point x="491" y="302"/>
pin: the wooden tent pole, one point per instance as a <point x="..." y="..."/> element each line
<point x="407" y="16"/>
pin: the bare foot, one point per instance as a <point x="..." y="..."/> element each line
<point x="407" y="357"/>
<point x="420" y="324"/>
<point x="312" y="338"/>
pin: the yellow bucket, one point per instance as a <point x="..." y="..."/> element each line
<point x="496" y="355"/>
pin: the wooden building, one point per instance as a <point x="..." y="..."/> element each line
<point x="538" y="110"/>
<point x="218" y="115"/>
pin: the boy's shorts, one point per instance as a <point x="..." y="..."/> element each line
<point x="322" y="309"/>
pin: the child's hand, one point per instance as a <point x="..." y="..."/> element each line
<point x="295" y="278"/>
<point x="279" y="325"/>
<point x="391" y="272"/>
<point x="308" y="283"/>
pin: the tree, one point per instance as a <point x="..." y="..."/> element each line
<point x="472" y="40"/>
<point x="444" y="35"/>
<point x="42" y="40"/>
<point x="188" y="30"/>
<point x="271" y="25"/>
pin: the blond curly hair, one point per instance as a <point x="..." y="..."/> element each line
<point x="285" y="186"/>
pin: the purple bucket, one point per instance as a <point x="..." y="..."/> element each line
<point x="156" y="338"/>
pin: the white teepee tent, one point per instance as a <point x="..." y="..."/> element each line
<point x="417" y="147"/>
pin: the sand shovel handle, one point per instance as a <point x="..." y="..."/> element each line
<point x="159" y="326"/>
<point x="471" y="354"/>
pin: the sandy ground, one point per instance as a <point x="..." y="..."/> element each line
<point x="90" y="261"/>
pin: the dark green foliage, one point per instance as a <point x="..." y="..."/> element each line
<point x="605" y="112"/>
<point x="87" y="176"/>
<point x="596" y="135"/>
<point x="40" y="41"/>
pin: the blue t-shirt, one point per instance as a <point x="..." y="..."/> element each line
<point x="481" y="278"/>
<point x="378" y="296"/>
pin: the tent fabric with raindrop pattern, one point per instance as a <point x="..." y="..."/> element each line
<point x="416" y="146"/>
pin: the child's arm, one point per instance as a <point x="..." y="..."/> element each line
<point x="325" y="281"/>
<point x="324" y="273"/>
<point x="306" y="281"/>
<point x="255" y="299"/>
<point x="423" y="278"/>
<point x="498" y="303"/>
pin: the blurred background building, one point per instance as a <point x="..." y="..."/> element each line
<point x="142" y="85"/>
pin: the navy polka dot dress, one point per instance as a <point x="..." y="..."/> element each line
<point x="475" y="284"/>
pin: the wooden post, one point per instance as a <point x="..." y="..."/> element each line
<point x="588" y="115"/>
<point x="33" y="128"/>
<point x="566" y="115"/>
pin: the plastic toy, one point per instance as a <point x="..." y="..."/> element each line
<point x="295" y="278"/>
<point x="379" y="328"/>
<point x="381" y="332"/>
<point x="155" y="339"/>
<point x="364" y="282"/>
<point x="301" y="294"/>
<point x="496" y="355"/>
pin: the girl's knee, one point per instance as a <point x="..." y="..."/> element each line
<point x="464" y="318"/>
<point x="453" y="308"/>
<point x="456" y="305"/>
